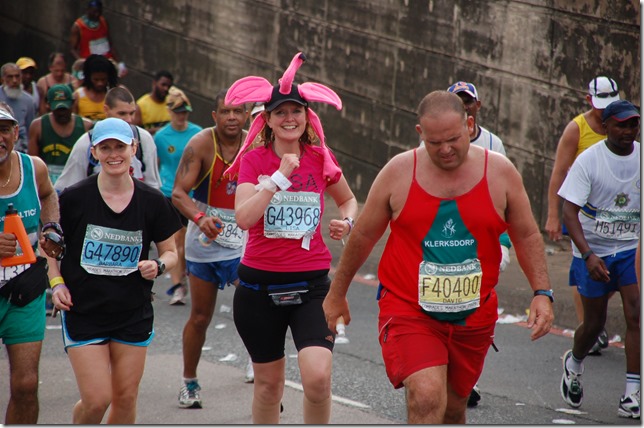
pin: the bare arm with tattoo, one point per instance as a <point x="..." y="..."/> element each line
<point x="193" y="167"/>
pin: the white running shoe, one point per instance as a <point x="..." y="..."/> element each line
<point x="179" y="296"/>
<point x="571" y="389"/>
<point x="189" y="396"/>
<point x="250" y="373"/>
<point x="629" y="407"/>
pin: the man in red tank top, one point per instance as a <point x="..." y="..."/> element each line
<point x="446" y="205"/>
<point x="90" y="34"/>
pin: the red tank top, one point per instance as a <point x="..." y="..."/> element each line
<point x="97" y="36"/>
<point x="215" y="189"/>
<point x="445" y="231"/>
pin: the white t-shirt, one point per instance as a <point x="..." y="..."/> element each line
<point x="607" y="188"/>
<point x="76" y="166"/>
<point x="489" y="141"/>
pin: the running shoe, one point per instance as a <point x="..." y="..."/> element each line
<point x="571" y="389"/>
<point x="170" y="291"/>
<point x="189" y="396"/>
<point x="179" y="296"/>
<point x="602" y="339"/>
<point x="475" y="397"/>
<point x="250" y="373"/>
<point x="596" y="349"/>
<point x="629" y="407"/>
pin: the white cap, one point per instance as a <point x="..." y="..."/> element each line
<point x="5" y="115"/>
<point x="603" y="91"/>
<point x="257" y="108"/>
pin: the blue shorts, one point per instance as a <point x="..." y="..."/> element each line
<point x="22" y="324"/>
<point x="219" y="273"/>
<point x="132" y="327"/>
<point x="622" y="272"/>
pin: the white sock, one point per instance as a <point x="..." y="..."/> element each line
<point x="574" y="365"/>
<point x="632" y="384"/>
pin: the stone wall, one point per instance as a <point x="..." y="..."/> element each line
<point x="531" y="61"/>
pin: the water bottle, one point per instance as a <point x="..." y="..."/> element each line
<point x="204" y="240"/>
<point x="13" y="224"/>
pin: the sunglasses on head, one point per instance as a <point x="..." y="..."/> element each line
<point x="607" y="94"/>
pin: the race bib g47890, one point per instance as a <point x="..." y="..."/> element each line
<point x="111" y="252"/>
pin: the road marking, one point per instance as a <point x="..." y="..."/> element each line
<point x="335" y="398"/>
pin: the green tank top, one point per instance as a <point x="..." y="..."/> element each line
<point x="54" y="149"/>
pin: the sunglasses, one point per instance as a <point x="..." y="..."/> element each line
<point x="607" y="94"/>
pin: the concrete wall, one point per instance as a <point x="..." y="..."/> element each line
<point x="530" y="59"/>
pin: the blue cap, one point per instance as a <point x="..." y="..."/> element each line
<point x="112" y="128"/>
<point x="620" y="110"/>
<point x="468" y="88"/>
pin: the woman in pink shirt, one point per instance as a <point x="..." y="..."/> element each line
<point x="284" y="270"/>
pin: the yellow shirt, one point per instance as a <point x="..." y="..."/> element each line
<point x="153" y="114"/>
<point x="87" y="108"/>
<point x="587" y="137"/>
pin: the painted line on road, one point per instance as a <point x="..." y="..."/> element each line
<point x="335" y="398"/>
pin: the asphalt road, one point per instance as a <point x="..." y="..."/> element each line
<point x="520" y="383"/>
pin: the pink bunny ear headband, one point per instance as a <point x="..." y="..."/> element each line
<point x="258" y="89"/>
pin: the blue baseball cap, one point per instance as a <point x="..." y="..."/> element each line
<point x="112" y="128"/>
<point x="620" y="110"/>
<point x="468" y="88"/>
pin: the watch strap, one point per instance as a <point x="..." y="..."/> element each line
<point x="547" y="293"/>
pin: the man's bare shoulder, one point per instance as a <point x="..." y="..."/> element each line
<point x="402" y="161"/>
<point x="202" y="138"/>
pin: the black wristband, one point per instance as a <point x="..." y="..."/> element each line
<point x="587" y="254"/>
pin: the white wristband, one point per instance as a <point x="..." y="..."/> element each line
<point x="265" y="182"/>
<point x="282" y="182"/>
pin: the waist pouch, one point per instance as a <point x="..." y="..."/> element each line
<point x="290" y="294"/>
<point x="28" y="284"/>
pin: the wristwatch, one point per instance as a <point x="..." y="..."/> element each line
<point x="160" y="267"/>
<point x="350" y="222"/>
<point x="545" y="293"/>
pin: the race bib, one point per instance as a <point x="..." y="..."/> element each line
<point x="231" y="236"/>
<point x="617" y="225"/>
<point x="111" y="252"/>
<point x="450" y="288"/>
<point x="54" y="172"/>
<point x="99" y="46"/>
<point x="292" y="215"/>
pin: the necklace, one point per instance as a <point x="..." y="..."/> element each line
<point x="219" y="149"/>
<point x="6" y="183"/>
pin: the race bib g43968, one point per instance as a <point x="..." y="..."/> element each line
<point x="292" y="215"/>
